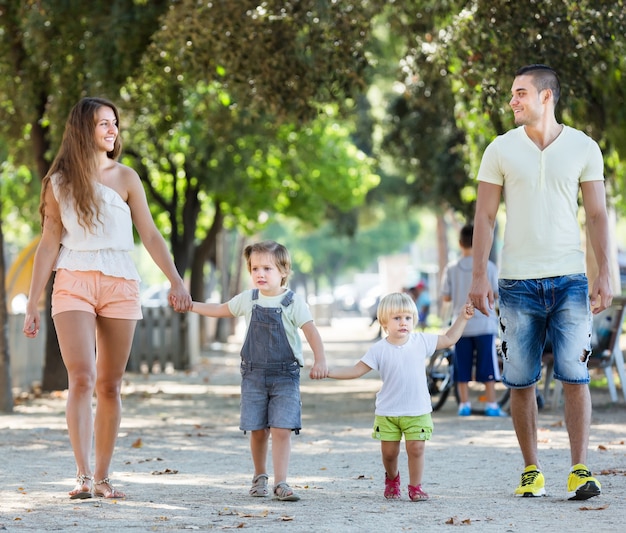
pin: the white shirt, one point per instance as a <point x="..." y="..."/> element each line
<point x="540" y="187"/>
<point x="402" y="370"/>
<point x="104" y="248"/>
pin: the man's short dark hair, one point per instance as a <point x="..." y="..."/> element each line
<point x="467" y="236"/>
<point x="544" y="77"/>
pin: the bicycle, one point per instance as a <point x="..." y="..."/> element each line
<point x="441" y="382"/>
<point x="440" y="379"/>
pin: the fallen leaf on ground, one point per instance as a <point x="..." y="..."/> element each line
<point x="456" y="521"/>
<point x="166" y="471"/>
<point x="613" y="472"/>
<point x="137" y="444"/>
<point x="600" y="508"/>
<point x="249" y="515"/>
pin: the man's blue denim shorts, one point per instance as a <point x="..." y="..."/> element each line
<point x="532" y="310"/>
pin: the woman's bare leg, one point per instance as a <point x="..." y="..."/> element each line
<point x="77" y="340"/>
<point x="114" y="341"/>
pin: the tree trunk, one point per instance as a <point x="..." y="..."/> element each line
<point x="230" y="251"/>
<point x="54" y="372"/>
<point x="442" y="245"/>
<point x="6" y="388"/>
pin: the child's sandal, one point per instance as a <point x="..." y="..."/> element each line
<point x="284" y="493"/>
<point x="110" y="491"/>
<point x="416" y="494"/>
<point x="259" y="486"/>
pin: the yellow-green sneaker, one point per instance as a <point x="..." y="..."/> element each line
<point x="581" y="485"/>
<point x="532" y="483"/>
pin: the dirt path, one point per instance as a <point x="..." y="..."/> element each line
<point x="186" y="466"/>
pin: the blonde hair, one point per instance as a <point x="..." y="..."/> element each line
<point x="76" y="161"/>
<point x="277" y="251"/>
<point x="395" y="303"/>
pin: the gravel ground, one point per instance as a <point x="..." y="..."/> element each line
<point x="186" y="466"/>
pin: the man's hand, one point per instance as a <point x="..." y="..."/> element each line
<point x="481" y="294"/>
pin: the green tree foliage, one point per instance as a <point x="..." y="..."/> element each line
<point x="420" y="133"/>
<point x="275" y="57"/>
<point x="321" y="257"/>
<point x="583" y="41"/>
<point x="53" y="52"/>
<point x="458" y="67"/>
<point x="235" y="119"/>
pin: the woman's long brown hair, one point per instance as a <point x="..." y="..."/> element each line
<point x="76" y="161"/>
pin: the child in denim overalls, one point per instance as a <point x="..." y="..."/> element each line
<point x="271" y="358"/>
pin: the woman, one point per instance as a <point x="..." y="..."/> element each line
<point x="89" y="203"/>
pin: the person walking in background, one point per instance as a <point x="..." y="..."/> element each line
<point x="422" y="302"/>
<point x="403" y="404"/>
<point x="540" y="167"/>
<point x="271" y="358"/>
<point x="479" y="335"/>
<point x="89" y="202"/>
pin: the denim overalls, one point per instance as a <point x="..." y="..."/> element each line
<point x="270" y="386"/>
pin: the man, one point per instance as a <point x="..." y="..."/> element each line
<point x="540" y="167"/>
<point x="480" y="332"/>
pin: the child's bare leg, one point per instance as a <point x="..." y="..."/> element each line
<point x="463" y="388"/>
<point x="281" y="452"/>
<point x="415" y="452"/>
<point x="258" y="448"/>
<point x="490" y="391"/>
<point x="390" y="452"/>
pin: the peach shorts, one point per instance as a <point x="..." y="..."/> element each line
<point x="96" y="293"/>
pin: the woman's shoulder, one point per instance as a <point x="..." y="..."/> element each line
<point x="123" y="171"/>
<point x="121" y="178"/>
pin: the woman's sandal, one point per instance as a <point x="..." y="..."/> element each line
<point x="259" y="486"/>
<point x="79" y="493"/>
<point x="109" y="492"/>
<point x="284" y="493"/>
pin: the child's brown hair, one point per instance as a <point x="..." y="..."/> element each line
<point x="277" y="251"/>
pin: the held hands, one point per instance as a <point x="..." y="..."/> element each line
<point x="468" y="310"/>
<point x="180" y="299"/>
<point x="319" y="371"/>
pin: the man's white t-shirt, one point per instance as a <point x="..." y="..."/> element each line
<point x="540" y="188"/>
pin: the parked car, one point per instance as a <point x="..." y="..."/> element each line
<point x="155" y="295"/>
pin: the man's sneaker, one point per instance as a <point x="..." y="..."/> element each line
<point x="494" y="411"/>
<point x="532" y="483"/>
<point x="392" y="487"/>
<point x="581" y="485"/>
<point x="465" y="410"/>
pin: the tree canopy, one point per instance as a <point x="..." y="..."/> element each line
<point x="237" y="114"/>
